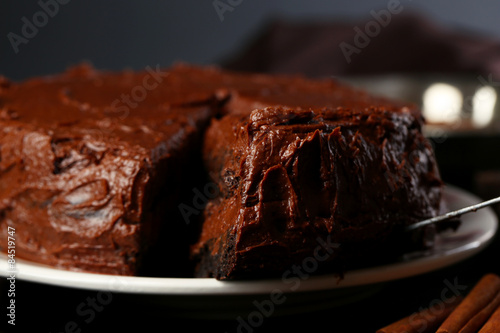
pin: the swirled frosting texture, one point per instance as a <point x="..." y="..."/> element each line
<point x="293" y="178"/>
<point x="93" y="164"/>
<point x="82" y="168"/>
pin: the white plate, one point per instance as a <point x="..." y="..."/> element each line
<point x="476" y="231"/>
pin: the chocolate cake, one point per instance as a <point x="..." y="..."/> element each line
<point x="294" y="180"/>
<point x="89" y="166"/>
<point x="94" y="165"/>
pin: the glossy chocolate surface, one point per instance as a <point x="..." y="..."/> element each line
<point x="92" y="165"/>
<point x="295" y="177"/>
<point x="85" y="156"/>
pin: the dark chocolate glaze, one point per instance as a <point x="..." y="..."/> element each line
<point x="81" y="180"/>
<point x="293" y="179"/>
<point x="94" y="164"/>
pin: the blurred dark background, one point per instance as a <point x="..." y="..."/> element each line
<point x="117" y="34"/>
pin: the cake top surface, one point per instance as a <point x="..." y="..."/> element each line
<point x="83" y="92"/>
<point x="136" y="108"/>
<point x="250" y="91"/>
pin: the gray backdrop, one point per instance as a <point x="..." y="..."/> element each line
<point x="115" y="34"/>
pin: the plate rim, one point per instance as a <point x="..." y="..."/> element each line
<point x="39" y="273"/>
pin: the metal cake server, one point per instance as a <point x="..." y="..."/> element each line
<point x="453" y="214"/>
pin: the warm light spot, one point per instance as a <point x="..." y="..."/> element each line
<point x="483" y="106"/>
<point x="442" y="103"/>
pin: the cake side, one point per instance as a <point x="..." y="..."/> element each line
<point x="87" y="182"/>
<point x="291" y="178"/>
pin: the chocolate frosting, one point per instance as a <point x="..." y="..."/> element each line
<point x="93" y="166"/>
<point x="293" y="177"/>
<point x="79" y="178"/>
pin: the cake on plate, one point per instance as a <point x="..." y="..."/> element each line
<point x="95" y="167"/>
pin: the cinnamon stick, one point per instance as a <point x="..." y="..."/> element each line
<point x="493" y="324"/>
<point x="483" y="293"/>
<point x="424" y="321"/>
<point x="479" y="319"/>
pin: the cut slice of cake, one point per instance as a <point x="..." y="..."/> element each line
<point x="293" y="179"/>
